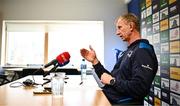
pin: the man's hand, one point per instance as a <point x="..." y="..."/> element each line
<point x="105" y="78"/>
<point x="89" y="55"/>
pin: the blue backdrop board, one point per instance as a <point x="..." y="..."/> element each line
<point x="160" y="25"/>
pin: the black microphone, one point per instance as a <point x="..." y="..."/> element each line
<point x="53" y="62"/>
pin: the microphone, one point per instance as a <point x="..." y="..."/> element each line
<point x="62" y="59"/>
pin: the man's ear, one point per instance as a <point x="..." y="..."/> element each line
<point x="132" y="26"/>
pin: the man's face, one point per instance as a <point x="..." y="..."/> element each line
<point x="123" y="29"/>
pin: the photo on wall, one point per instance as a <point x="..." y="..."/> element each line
<point x="157" y="81"/>
<point x="165" y="83"/>
<point x="143" y="4"/>
<point x="143" y="14"/>
<point x="175" y="47"/>
<point x="157" y="48"/>
<point x="164" y="103"/>
<point x="145" y="103"/>
<point x="174" y="9"/>
<point x="149" y="20"/>
<point x="174" y="34"/>
<point x="143" y="32"/>
<point x="164" y="13"/>
<point x="175" y="60"/>
<point x="165" y="95"/>
<point x="164" y="71"/>
<point x="174" y="21"/>
<point x="156" y="38"/>
<point x="149" y="11"/>
<point x="174" y="99"/>
<point x="151" y="99"/>
<point x="156" y="27"/>
<point x="164" y="36"/>
<point x="175" y="86"/>
<point x="164" y="60"/>
<point x="165" y="47"/>
<point x="149" y="30"/>
<point x="143" y="24"/>
<point x="172" y="1"/>
<point x="175" y="73"/>
<point x="163" y="3"/>
<point x="155" y="6"/>
<point x="164" y="25"/>
<point x="157" y="101"/>
<point x="157" y="92"/>
<point x="148" y="3"/>
<point x="155" y="17"/>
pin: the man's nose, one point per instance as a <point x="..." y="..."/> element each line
<point x="117" y="32"/>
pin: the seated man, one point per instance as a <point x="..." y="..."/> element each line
<point x="131" y="78"/>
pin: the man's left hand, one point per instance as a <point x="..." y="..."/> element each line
<point x="105" y="78"/>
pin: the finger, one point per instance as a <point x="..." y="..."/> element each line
<point x="90" y="47"/>
<point x="82" y="51"/>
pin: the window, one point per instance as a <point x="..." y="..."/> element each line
<point x="25" y="48"/>
<point x="37" y="42"/>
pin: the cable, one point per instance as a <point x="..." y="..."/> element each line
<point x="12" y="85"/>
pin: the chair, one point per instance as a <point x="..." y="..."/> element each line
<point x="3" y="77"/>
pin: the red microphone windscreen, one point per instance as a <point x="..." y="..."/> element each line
<point x="63" y="57"/>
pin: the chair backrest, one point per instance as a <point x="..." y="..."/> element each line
<point x="3" y="77"/>
<point x="1" y="70"/>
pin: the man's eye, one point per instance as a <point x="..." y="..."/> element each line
<point x="119" y="27"/>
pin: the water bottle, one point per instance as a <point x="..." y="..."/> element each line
<point x="83" y="69"/>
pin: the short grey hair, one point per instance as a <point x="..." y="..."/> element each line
<point x="130" y="17"/>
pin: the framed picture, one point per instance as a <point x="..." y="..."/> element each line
<point x="174" y="21"/>
<point x="175" y="47"/>
<point x="175" y="73"/>
<point x="175" y="86"/>
<point x="175" y="60"/>
<point x="164" y="13"/>
<point x="174" y="99"/>
<point x="174" y="34"/>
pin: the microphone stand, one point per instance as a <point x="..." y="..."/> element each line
<point x="53" y="69"/>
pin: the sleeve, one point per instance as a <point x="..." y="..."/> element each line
<point x="99" y="69"/>
<point x="144" y="68"/>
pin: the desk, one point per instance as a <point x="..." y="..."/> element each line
<point x="88" y="94"/>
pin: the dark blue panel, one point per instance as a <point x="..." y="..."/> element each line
<point x="134" y="7"/>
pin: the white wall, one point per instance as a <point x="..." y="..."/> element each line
<point x="1" y="7"/>
<point x="98" y="10"/>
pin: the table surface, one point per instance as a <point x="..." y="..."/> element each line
<point x="87" y="94"/>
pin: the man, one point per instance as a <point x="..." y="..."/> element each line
<point x="132" y="76"/>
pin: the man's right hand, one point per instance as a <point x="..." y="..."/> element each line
<point x="89" y="55"/>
